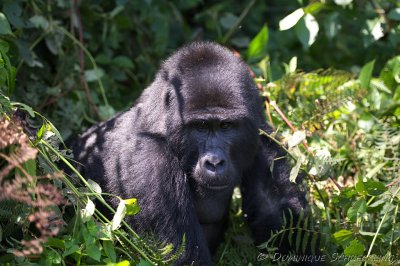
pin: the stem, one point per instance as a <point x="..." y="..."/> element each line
<point x="238" y="21"/>
<point x="381" y="223"/>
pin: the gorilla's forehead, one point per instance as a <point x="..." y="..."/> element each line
<point x="209" y="91"/>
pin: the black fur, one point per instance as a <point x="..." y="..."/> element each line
<point x="189" y="140"/>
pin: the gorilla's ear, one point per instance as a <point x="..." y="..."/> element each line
<point x="167" y="99"/>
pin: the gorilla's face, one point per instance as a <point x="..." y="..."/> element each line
<point x="213" y="138"/>
<point x="221" y="139"/>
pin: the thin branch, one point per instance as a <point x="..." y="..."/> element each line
<point x="238" y="21"/>
<point x="82" y="62"/>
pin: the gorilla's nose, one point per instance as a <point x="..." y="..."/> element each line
<point x="214" y="163"/>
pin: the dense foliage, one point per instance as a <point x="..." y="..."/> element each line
<point x="330" y="75"/>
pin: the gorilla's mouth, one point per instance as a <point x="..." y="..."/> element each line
<point x="217" y="187"/>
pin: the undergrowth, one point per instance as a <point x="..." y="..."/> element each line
<point x="341" y="128"/>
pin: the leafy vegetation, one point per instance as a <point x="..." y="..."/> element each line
<point x="330" y="75"/>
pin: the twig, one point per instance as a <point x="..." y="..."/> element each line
<point x="278" y="110"/>
<point x="397" y="180"/>
<point x="82" y="61"/>
<point x="238" y="21"/>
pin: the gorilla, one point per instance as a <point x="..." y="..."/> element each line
<point x="191" y="137"/>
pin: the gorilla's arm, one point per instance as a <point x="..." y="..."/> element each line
<point x="268" y="192"/>
<point x="166" y="200"/>
<point x="133" y="164"/>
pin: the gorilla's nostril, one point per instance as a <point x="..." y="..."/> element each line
<point x="210" y="166"/>
<point x="214" y="164"/>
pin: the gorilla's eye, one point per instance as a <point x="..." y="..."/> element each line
<point x="201" y="125"/>
<point x="225" y="125"/>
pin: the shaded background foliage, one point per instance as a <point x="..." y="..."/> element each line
<point x="79" y="62"/>
<point x="128" y="39"/>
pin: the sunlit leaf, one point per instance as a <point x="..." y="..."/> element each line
<point x="127" y="263"/>
<point x="290" y="20"/>
<point x="295" y="172"/>
<point x="118" y="216"/>
<point x="132" y="206"/>
<point x="296" y="138"/>
<point x="307" y="30"/>
<point x="343" y="2"/>
<point x="366" y="74"/>
<point x="258" y="46"/>
<point x="94" y="186"/>
<point x="342" y="235"/>
<point x="354" y="249"/>
<point x="88" y="211"/>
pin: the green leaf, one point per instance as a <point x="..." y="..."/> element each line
<point x="354" y="249"/>
<point x="374" y="188"/>
<point x="307" y="30"/>
<point x="30" y="167"/>
<point x="332" y="25"/>
<point x="228" y="20"/>
<point x="94" y="74"/>
<point x="55" y="131"/>
<point x="5" y="104"/>
<point x="342" y="235"/>
<point x="55" y="242"/>
<point x="94" y="186"/>
<point x="41" y="131"/>
<point x="167" y="249"/>
<point x="359" y="207"/>
<point x="109" y="250"/>
<point x="132" y="206"/>
<point x="94" y="252"/>
<point x="39" y="22"/>
<point x="123" y="62"/>
<point x="290" y="20"/>
<point x="123" y="263"/>
<point x="4" y="25"/>
<point x="394" y="14"/>
<point x="258" y="45"/>
<point x="25" y="107"/>
<point x="360" y="186"/>
<point x="11" y="71"/>
<point x="106" y="111"/>
<point x="70" y="249"/>
<point x="366" y="74"/>
<point x="313" y="8"/>
<point x="144" y="263"/>
<point x="13" y="11"/>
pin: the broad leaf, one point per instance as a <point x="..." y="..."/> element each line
<point x="290" y="20"/>
<point x="258" y="46"/>
<point x="366" y="74"/>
